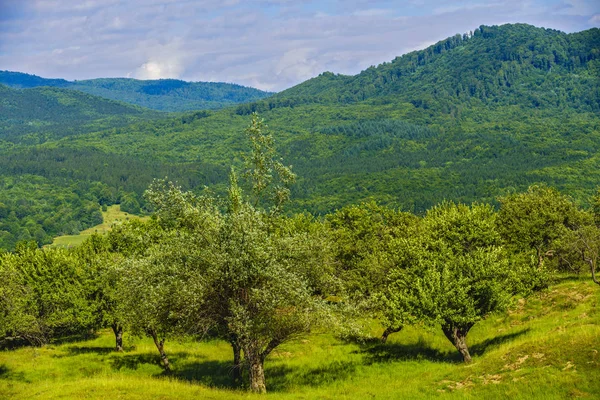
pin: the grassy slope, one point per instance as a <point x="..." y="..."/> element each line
<point x="545" y="347"/>
<point x="111" y="216"/>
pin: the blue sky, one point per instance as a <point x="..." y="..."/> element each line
<point x="269" y="44"/>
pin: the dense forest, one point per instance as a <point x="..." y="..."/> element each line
<point x="33" y="116"/>
<point x="161" y="94"/>
<point x="470" y="118"/>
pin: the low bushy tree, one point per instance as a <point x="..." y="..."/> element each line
<point x="456" y="273"/>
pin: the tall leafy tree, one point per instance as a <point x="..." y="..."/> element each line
<point x="269" y="177"/>
<point x="244" y="270"/>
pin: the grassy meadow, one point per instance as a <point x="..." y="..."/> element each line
<point x="111" y="216"/>
<point x="546" y="346"/>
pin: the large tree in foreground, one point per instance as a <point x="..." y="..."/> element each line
<point x="242" y="271"/>
<point x="456" y="273"/>
<point x="268" y="294"/>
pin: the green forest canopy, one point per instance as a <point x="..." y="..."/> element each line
<point x="472" y="117"/>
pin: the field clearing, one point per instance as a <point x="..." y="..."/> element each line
<point x="111" y="216"/>
<point x="547" y="346"/>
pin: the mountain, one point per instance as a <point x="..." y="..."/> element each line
<point x="514" y="64"/>
<point x="38" y="114"/>
<point x="468" y="119"/>
<point x="162" y="94"/>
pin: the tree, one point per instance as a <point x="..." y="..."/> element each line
<point x="17" y="319"/>
<point x="536" y="220"/>
<point x="269" y="298"/>
<point x="245" y="272"/>
<point x="56" y="291"/>
<point x="148" y="298"/>
<point x="102" y="281"/>
<point x="456" y="273"/>
<point x="270" y="179"/>
<point x="363" y="240"/>
<point x="585" y="241"/>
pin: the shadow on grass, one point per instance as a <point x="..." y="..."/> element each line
<point x="98" y="350"/>
<point x="388" y="352"/>
<point x="480" y="348"/>
<point x="14" y="343"/>
<point x="209" y="373"/>
<point x="280" y="378"/>
<point x="380" y="353"/>
<point x="75" y="338"/>
<point x="76" y="350"/>
<point x="283" y="378"/>
<point x="133" y="361"/>
<point x="8" y="375"/>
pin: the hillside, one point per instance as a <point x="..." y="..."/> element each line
<point x="545" y="346"/>
<point x="469" y="118"/>
<point x="163" y="94"/>
<point x="494" y="65"/>
<point x="38" y="114"/>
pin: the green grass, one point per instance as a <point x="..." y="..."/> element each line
<point x="547" y="346"/>
<point x="112" y="215"/>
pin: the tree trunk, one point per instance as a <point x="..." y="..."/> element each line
<point x="257" y="376"/>
<point x="540" y="257"/>
<point x="118" y="331"/>
<point x="592" y="264"/>
<point x="160" y="345"/>
<point x="256" y="372"/>
<point x="388" y="331"/>
<point x="237" y="362"/>
<point x="458" y="335"/>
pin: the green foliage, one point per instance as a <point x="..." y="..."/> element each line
<point x="34" y="208"/>
<point x="17" y="321"/>
<point x="161" y="94"/>
<point x="537" y="220"/>
<point x="268" y="176"/>
<point x="455" y="276"/>
<point x="55" y="294"/>
<point x="467" y="119"/>
<point x="363" y="240"/>
<point x="35" y="115"/>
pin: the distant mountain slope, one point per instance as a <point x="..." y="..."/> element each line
<point x="495" y="65"/>
<point x="43" y="113"/>
<point x="466" y="119"/>
<point x="162" y="94"/>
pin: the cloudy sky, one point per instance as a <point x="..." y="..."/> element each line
<point x="268" y="44"/>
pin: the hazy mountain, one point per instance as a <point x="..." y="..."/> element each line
<point x="162" y="94"/>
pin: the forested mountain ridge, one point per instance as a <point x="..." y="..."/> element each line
<point x="161" y="94"/>
<point x="409" y="143"/>
<point x="42" y="113"/>
<point x="513" y="64"/>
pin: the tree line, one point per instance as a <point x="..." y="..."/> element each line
<point x="238" y="268"/>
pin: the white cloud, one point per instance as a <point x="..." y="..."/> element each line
<point x="158" y="70"/>
<point x="270" y="44"/>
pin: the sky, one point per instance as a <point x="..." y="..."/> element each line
<point x="267" y="44"/>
